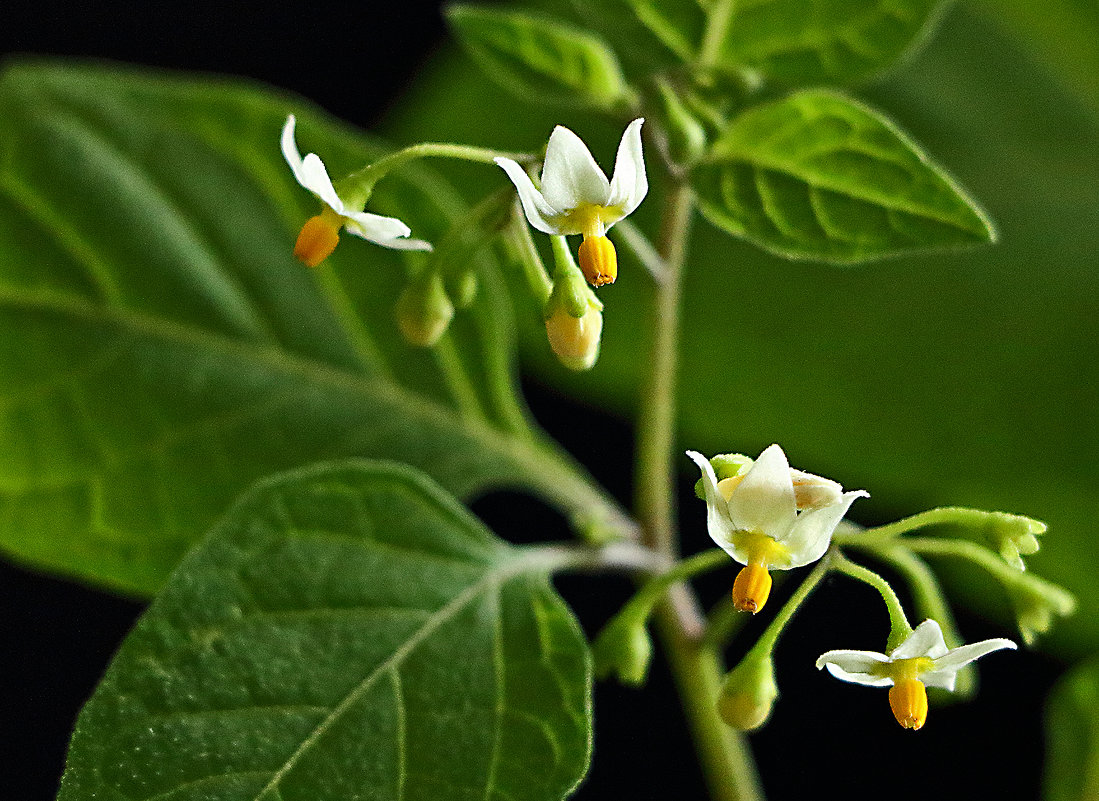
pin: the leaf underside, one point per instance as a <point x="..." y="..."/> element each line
<point x="346" y="632"/>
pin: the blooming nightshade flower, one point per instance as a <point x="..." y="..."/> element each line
<point x="320" y="234"/>
<point x="577" y="198"/>
<point x="921" y="661"/>
<point x="754" y="517"/>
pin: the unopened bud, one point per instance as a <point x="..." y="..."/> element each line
<point x="1036" y="604"/>
<point x="685" y="137"/>
<point x="424" y="310"/>
<point x="749" y="693"/>
<point x="623" y="648"/>
<point x="1014" y="536"/>
<point x="463" y="288"/>
<point x="575" y="340"/>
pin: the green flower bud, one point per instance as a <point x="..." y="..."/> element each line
<point x="463" y="288"/>
<point x="624" y="648"/>
<point x="574" y="322"/>
<point x="1036" y="604"/>
<point x="424" y="310"/>
<point x="685" y="136"/>
<point x="726" y="465"/>
<point x="1014" y="536"/>
<point x="749" y="693"/>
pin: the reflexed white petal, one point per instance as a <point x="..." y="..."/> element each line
<point x="811" y="533"/>
<point x="570" y="176"/>
<point x="940" y="678"/>
<point x="859" y="667"/>
<point x="764" y="500"/>
<point x="539" y="213"/>
<point x="310" y="171"/>
<point x="386" y="231"/>
<point x="926" y="640"/>
<point x="629" y="184"/>
<point x="406" y="244"/>
<point x="957" y="658"/>
<point x="717" y="515"/>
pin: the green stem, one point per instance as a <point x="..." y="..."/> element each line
<point x="899" y="626"/>
<point x="369" y="175"/>
<point x="770" y="636"/>
<point x="533" y="268"/>
<point x="943" y="515"/>
<point x="721" y="13"/>
<point x="645" y="599"/>
<point x="697" y="669"/>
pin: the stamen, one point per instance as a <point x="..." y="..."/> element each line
<point x="751" y="588"/>
<point x="598" y="261"/>
<point x="318" y="238"/>
<point x="908" y="700"/>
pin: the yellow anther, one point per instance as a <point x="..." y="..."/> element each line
<point x="318" y="238"/>
<point x="751" y="588"/>
<point x="727" y="485"/>
<point x="598" y="261"/>
<point x="908" y="699"/>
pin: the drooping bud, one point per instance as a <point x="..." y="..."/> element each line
<point x="598" y="260"/>
<point x="751" y="588"/>
<point x="749" y="693"/>
<point x="684" y="136"/>
<point x="908" y="700"/>
<point x="318" y="238"/>
<point x="1014" y="536"/>
<point x="424" y="310"/>
<point x="463" y="288"/>
<point x="623" y="648"/>
<point x="1036" y="604"/>
<point x="575" y="340"/>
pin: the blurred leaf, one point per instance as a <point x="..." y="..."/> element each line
<point x="966" y="377"/>
<point x="164" y="349"/>
<point x="818" y="176"/>
<point x="346" y="631"/>
<point x="679" y="24"/>
<point x="834" y="41"/>
<point x="1072" y="736"/>
<point x="533" y="56"/>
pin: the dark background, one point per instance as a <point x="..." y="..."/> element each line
<point x="825" y="738"/>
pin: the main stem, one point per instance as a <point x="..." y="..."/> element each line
<point x="730" y="772"/>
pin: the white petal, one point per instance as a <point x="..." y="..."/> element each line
<point x="957" y="658"/>
<point x="540" y="214"/>
<point x="310" y="171"/>
<point x="717" y="515"/>
<point x="764" y="500"/>
<point x="406" y="244"/>
<point x="927" y="640"/>
<point x="940" y="678"/>
<point x="629" y="184"/>
<point x="811" y="533"/>
<point x="570" y="176"/>
<point x="860" y="667"/>
<point x="386" y="231"/>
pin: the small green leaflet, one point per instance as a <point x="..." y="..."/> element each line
<point x="835" y="41"/>
<point x="347" y="631"/>
<point x="538" y="58"/>
<point x="818" y="176"/>
<point x="165" y="350"/>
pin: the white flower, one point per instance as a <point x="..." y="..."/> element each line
<point x="922" y="660"/>
<point x="758" y="523"/>
<point x="577" y="198"/>
<point x="320" y="234"/>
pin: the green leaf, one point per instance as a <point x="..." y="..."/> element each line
<point x="165" y="349"/>
<point x="533" y="56"/>
<point x="1072" y="736"/>
<point x="347" y="631"/>
<point x="679" y="24"/>
<point x="818" y="176"/>
<point x="835" y="41"/>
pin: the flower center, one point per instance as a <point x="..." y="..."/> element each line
<point x="753" y="584"/>
<point x="318" y="238"/>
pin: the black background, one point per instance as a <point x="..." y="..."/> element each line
<point x="825" y="737"/>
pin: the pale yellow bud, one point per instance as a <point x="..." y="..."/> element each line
<point x="575" y="340"/>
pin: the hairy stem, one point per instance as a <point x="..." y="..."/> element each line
<point x="697" y="669"/>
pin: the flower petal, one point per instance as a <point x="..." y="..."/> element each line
<point x="957" y="658"/>
<point x="539" y="213"/>
<point x="387" y="231"/>
<point x="310" y="171"/>
<point x="629" y="184"/>
<point x="717" y="514"/>
<point x="927" y="640"/>
<point x="811" y="533"/>
<point x="570" y="176"/>
<point x="940" y="678"/>
<point x="859" y="667"/>
<point x="764" y="500"/>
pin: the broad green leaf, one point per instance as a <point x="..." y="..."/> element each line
<point x="1072" y="736"/>
<point x="347" y="631"/>
<point x="818" y="176"/>
<point x="961" y="377"/>
<point x="833" y="41"/>
<point x="679" y="24"/>
<point x="164" y="349"/>
<point x="534" y="56"/>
